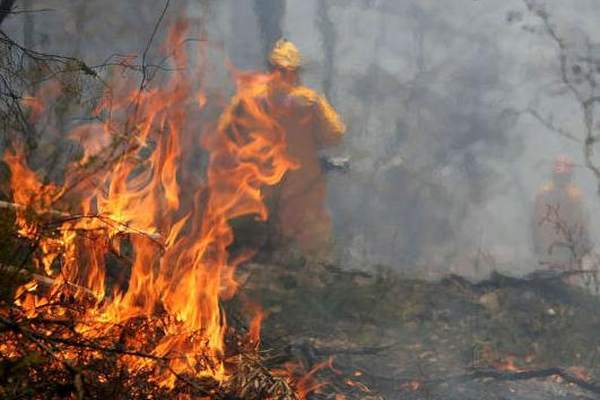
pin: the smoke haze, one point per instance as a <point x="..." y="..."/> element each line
<point x="444" y="164"/>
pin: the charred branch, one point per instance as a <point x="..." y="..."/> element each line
<point x="500" y="375"/>
<point x="564" y="373"/>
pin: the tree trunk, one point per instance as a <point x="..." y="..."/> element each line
<point x="5" y="8"/>
<point x="28" y="26"/>
<point x="80" y="18"/>
<point x="269" y="14"/>
<point x="328" y="40"/>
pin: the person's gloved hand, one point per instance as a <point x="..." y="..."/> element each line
<point x="340" y="164"/>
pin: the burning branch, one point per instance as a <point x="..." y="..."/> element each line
<point x="61" y="217"/>
<point x="38" y="341"/>
<point x="251" y="379"/>
<point x="164" y="332"/>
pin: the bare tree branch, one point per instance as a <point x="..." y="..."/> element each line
<point x="149" y="44"/>
<point x="586" y="101"/>
<point x="550" y="126"/>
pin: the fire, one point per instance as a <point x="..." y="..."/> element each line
<point x="361" y="386"/>
<point x="255" y="324"/>
<point x="580" y="373"/>
<point x="412" y="385"/>
<point x="177" y="236"/>
<point x="27" y="191"/>
<point x="508" y="364"/>
<point x="304" y="382"/>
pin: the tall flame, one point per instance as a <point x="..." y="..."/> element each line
<point x="179" y="236"/>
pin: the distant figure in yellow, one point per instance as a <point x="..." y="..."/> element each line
<point x="297" y="212"/>
<point x="561" y="224"/>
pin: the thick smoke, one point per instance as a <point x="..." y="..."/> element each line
<point x="444" y="165"/>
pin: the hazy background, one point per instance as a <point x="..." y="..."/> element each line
<point x="444" y="168"/>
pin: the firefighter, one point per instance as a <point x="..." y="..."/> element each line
<point x="297" y="212"/>
<point x="561" y="224"/>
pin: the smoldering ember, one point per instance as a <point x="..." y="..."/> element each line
<point x="271" y="199"/>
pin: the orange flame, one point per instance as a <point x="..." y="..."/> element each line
<point x="509" y="363"/>
<point x="255" y="325"/>
<point x="580" y="373"/>
<point x="305" y="382"/>
<point x="180" y="266"/>
<point x="412" y="385"/>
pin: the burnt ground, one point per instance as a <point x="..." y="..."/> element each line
<point x="450" y="339"/>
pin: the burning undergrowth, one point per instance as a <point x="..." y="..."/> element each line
<point x="127" y="264"/>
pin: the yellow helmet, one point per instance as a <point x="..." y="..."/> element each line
<point x="285" y="55"/>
